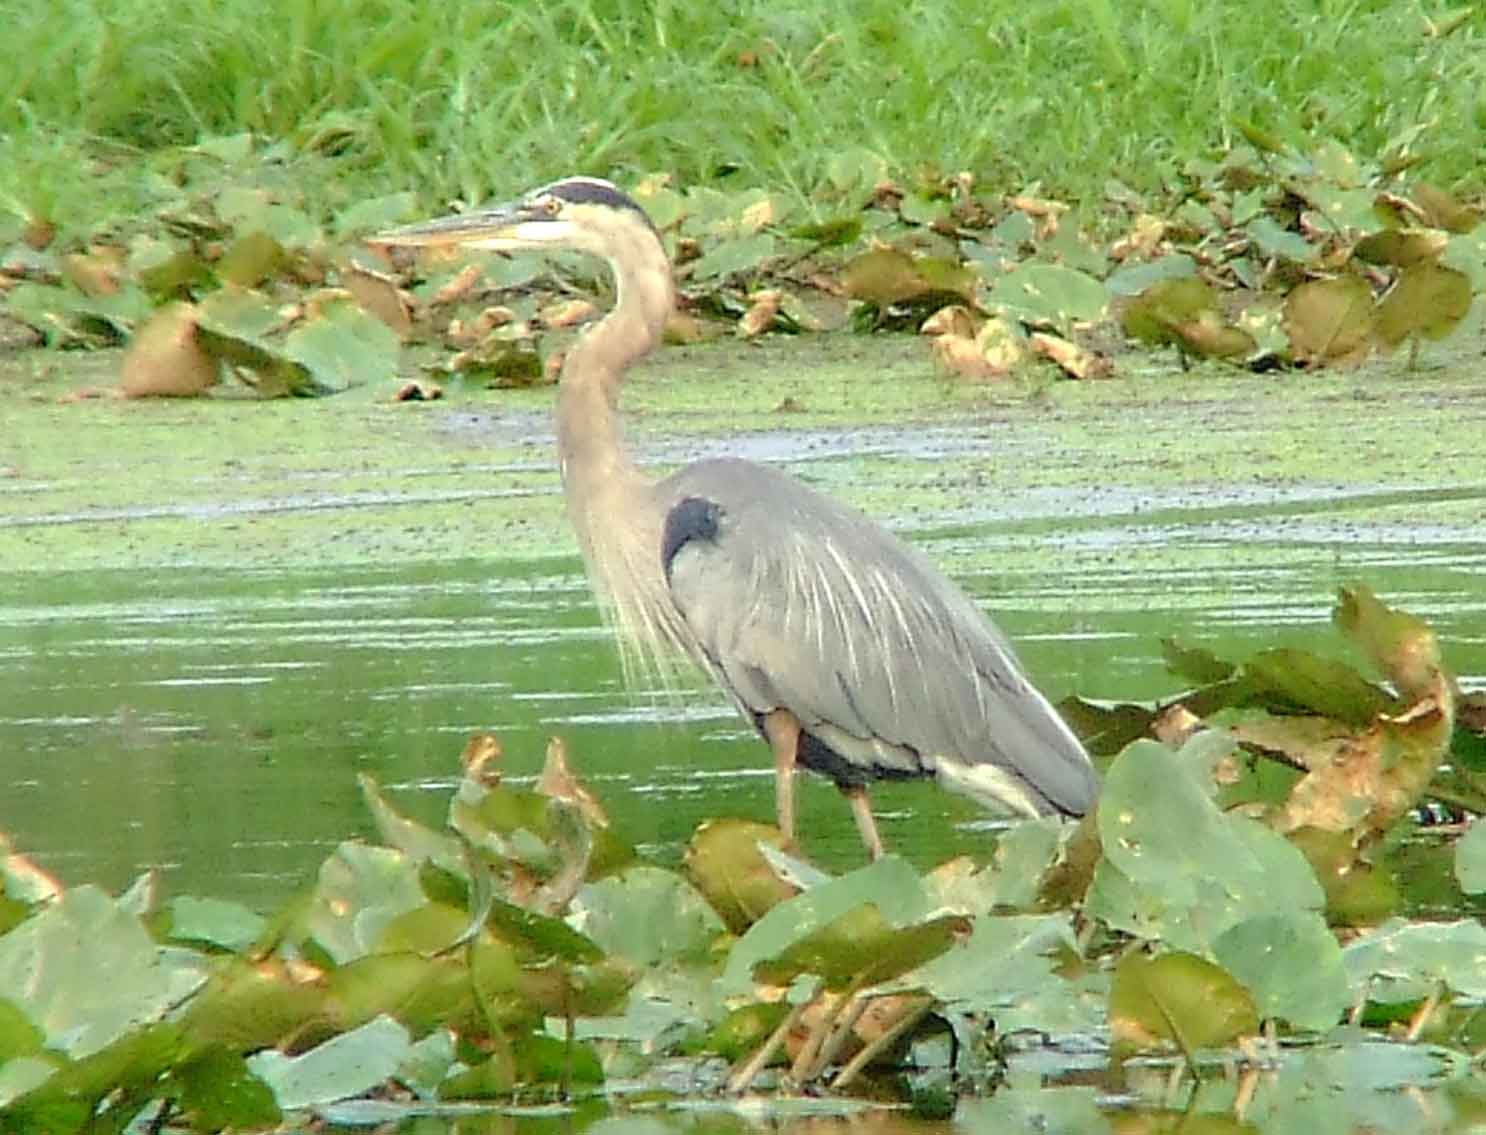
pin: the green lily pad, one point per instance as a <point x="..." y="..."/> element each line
<point x="344" y="346"/>
<point x="1177" y="868"/>
<point x="1291" y="964"/>
<point x="359" y="891"/>
<point x="226" y="925"/>
<point x="218" y="1091"/>
<point x="890" y="884"/>
<point x="85" y="972"/>
<point x="346" y="1065"/>
<point x="1427" y="300"/>
<point x="1470" y="858"/>
<point x="1050" y="294"/>
<point x="647" y="916"/>
<point x="860" y="948"/>
<point x="1403" y="961"/>
<point x="1177" y="997"/>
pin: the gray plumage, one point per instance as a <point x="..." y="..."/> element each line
<point x="846" y="648"/>
<point x="801" y="603"/>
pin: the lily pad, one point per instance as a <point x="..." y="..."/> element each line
<point x="1470" y="858"/>
<point x="1177" y="997"/>
<point x="86" y="973"/>
<point x="1291" y="964"/>
<point x="346" y="1065"/>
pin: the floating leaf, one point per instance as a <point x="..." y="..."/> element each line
<point x="1442" y="210"/>
<point x="890" y="884"/>
<point x="724" y="862"/>
<point x="1187" y="883"/>
<point x="251" y="259"/>
<point x="227" y="925"/>
<point x="1195" y="664"/>
<point x="1292" y="966"/>
<point x="1470" y="858"/>
<point x="343" y="346"/>
<point x="1404" y="961"/>
<point x="166" y="357"/>
<point x="646" y="916"/>
<point x="1330" y="321"/>
<point x="85" y="972"/>
<point x="219" y="1091"/>
<point x="346" y="1065"/>
<point x="1177" y="997"/>
<point x="861" y="948"/>
<point x="1049" y="293"/>
<point x="1426" y="299"/>
<point x="360" y="890"/>
<point x="1401" y="247"/>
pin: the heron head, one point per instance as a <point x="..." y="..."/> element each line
<point x="582" y="213"/>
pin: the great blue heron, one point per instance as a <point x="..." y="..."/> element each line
<point x="847" y="650"/>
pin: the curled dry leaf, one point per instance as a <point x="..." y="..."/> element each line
<point x="481" y="757"/>
<point x="1075" y="361"/>
<point x="379" y="294"/>
<point x="1140" y="241"/>
<point x="568" y="313"/>
<point x="1045" y="213"/>
<point x="95" y="272"/>
<point x="165" y="358"/>
<point x="456" y="289"/>
<point x="759" y="215"/>
<point x="952" y="319"/>
<point x="559" y="781"/>
<point x="761" y="314"/>
<point x="963" y="357"/>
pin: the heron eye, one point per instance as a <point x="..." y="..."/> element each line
<point x="551" y="206"/>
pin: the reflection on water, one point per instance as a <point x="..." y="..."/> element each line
<point x="213" y="725"/>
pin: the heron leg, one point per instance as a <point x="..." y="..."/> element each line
<point x="782" y="729"/>
<point x="861" y="808"/>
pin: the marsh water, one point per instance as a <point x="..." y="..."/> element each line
<point x="209" y="626"/>
<point x="214" y="615"/>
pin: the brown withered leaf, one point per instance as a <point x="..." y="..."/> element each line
<point x="963" y="358"/>
<point x="566" y="313"/>
<point x="560" y="782"/>
<point x="480" y="758"/>
<point x="1075" y="361"/>
<point x="379" y="294"/>
<point x="1141" y="240"/>
<point x="1426" y="299"/>
<point x="952" y="319"/>
<point x="763" y="309"/>
<point x="95" y="272"/>
<point x="1330" y="321"/>
<point x="166" y="359"/>
<point x="1401" y="247"/>
<point x="1441" y="210"/>
<point x="1046" y="213"/>
<point x="461" y="285"/>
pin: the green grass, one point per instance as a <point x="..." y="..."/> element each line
<point x="477" y="100"/>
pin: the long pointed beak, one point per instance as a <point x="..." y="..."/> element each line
<point x="498" y="227"/>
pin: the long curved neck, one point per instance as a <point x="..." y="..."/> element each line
<point x="606" y="493"/>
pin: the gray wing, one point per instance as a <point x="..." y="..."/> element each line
<point x="800" y="603"/>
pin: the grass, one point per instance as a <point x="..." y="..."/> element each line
<point x="472" y="101"/>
